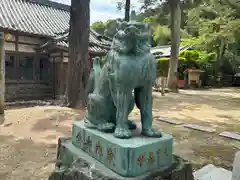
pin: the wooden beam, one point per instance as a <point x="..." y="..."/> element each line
<point x="23" y="43"/>
<point x="25" y="33"/>
<point x="16" y="41"/>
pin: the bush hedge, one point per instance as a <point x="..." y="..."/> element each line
<point x="188" y="59"/>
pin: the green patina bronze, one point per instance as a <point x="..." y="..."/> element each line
<point x="129" y="66"/>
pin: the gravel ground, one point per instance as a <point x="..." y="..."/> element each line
<point x="29" y="135"/>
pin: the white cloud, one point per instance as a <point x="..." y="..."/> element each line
<point x="103" y="16"/>
<point x="102" y="10"/>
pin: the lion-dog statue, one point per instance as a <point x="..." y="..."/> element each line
<point x="126" y="79"/>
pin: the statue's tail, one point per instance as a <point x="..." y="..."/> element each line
<point x="94" y="75"/>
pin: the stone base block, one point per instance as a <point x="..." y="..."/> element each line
<point x="75" y="164"/>
<point x="127" y="157"/>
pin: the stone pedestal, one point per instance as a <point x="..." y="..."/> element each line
<point x="75" y="164"/>
<point x="127" y="157"/>
<point x="93" y="155"/>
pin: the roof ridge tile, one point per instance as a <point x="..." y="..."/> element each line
<point x="52" y="4"/>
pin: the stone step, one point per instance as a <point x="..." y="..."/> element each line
<point x="171" y="121"/>
<point x="231" y="135"/>
<point x="211" y="172"/>
<point x="236" y="167"/>
<point x="201" y="172"/>
<point x="217" y="174"/>
<point x="200" y="128"/>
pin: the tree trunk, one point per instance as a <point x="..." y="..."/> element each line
<point x="78" y="64"/>
<point x="127" y="10"/>
<point x="175" y="43"/>
<point x="220" y="54"/>
<point x="2" y="77"/>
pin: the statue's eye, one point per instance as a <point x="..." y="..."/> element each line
<point x="122" y="25"/>
<point x="139" y="26"/>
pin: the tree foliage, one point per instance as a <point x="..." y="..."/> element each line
<point x="215" y="26"/>
<point x="210" y="26"/>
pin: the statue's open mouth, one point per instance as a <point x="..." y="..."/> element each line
<point x="132" y="33"/>
<point x="132" y="30"/>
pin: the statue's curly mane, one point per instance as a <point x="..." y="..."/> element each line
<point x="122" y="39"/>
<point x="122" y="45"/>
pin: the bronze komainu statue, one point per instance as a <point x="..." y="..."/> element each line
<point x="129" y="66"/>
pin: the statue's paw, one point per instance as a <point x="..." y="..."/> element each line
<point x="131" y="124"/>
<point x="106" y="127"/>
<point x="88" y="124"/>
<point x="122" y="133"/>
<point x="152" y="133"/>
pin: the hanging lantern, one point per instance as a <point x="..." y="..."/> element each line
<point x="8" y="36"/>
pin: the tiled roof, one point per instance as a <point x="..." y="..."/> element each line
<point x="44" y="18"/>
<point x="35" y="18"/>
<point x="92" y="48"/>
<point x="97" y="43"/>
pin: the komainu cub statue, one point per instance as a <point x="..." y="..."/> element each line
<point x="126" y="79"/>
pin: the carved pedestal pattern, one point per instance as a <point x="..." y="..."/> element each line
<point x="75" y="164"/>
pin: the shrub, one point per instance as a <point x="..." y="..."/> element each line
<point x="187" y="59"/>
<point x="162" y="66"/>
<point x="183" y="64"/>
<point x="207" y="63"/>
<point x="189" y="55"/>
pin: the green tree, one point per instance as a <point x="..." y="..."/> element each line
<point x="126" y="5"/>
<point x="127" y="10"/>
<point x="162" y="35"/>
<point x="175" y="25"/>
<point x="99" y="27"/>
<point x="234" y="4"/>
<point x="111" y="27"/>
<point x="216" y="25"/>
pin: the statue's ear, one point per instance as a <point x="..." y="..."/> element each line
<point x="133" y="16"/>
<point x="147" y="26"/>
<point x="121" y="25"/>
<point x="97" y="59"/>
<point x="118" y="24"/>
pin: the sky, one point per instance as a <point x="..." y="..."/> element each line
<point x="102" y="10"/>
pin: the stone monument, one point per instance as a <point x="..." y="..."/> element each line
<point x="106" y="144"/>
<point x="236" y="167"/>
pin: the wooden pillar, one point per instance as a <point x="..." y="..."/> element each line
<point x="53" y="76"/>
<point x="36" y="66"/>
<point x="17" y="59"/>
<point x="162" y="86"/>
<point x="61" y="76"/>
<point x="2" y="77"/>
